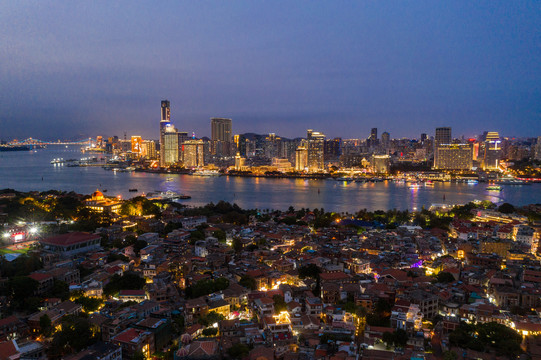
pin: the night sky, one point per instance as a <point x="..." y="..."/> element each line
<point x="70" y="69"/>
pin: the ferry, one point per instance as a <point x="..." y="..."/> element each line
<point x="207" y="173"/>
<point x="472" y="182"/>
<point x="414" y="186"/>
<point x="429" y="183"/>
<point x="494" y="188"/>
<point x="168" y="195"/>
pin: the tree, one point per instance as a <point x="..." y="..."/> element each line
<point x="220" y="235"/>
<point x="445" y="277"/>
<point x="279" y="303"/>
<point x="309" y="271"/>
<point x="128" y="281"/>
<point x="248" y="282"/>
<point x="75" y="335"/>
<point x="45" y="325"/>
<point x="138" y="355"/>
<point x="22" y="289"/>
<point x="506" y="208"/>
<point x="210" y="331"/>
<point x="238" y="351"/>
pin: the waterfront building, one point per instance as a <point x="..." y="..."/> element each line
<point x="221" y="132"/>
<point x="136" y="144"/>
<point x="193" y="153"/>
<point x="99" y="203"/>
<point x="170" y="150"/>
<point x="316" y="151"/>
<point x="239" y="162"/>
<point x="148" y="149"/>
<point x="164" y="123"/>
<point x="493" y="151"/>
<point x="443" y="135"/>
<point x="453" y="157"/>
<point x="381" y="164"/>
<point x="301" y="158"/>
<point x="281" y="164"/>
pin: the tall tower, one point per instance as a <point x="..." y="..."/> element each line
<point x="316" y="149"/>
<point x="221" y="132"/>
<point x="164" y="123"/>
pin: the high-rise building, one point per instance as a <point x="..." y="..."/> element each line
<point x="221" y="132"/>
<point x="332" y="148"/>
<point x="193" y="153"/>
<point x="453" y="157"/>
<point x="316" y="150"/>
<point x="148" y="149"/>
<point x="136" y="143"/>
<point x="443" y="136"/>
<point x="386" y="140"/>
<point x="301" y="158"/>
<point x="164" y="123"/>
<point x="493" y="151"/>
<point x="537" y="149"/>
<point x="170" y="150"/>
<point x="381" y="164"/>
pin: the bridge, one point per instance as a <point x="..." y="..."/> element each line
<point x="37" y="142"/>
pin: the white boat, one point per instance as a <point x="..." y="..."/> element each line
<point x="167" y="195"/>
<point x="207" y="173"/>
<point x="414" y="186"/>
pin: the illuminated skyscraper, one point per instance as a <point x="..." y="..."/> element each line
<point x="170" y="150"/>
<point x="221" y="132"/>
<point x="453" y="157"/>
<point x="443" y="136"/>
<point x="381" y="164"/>
<point x="316" y="151"/>
<point x="193" y="153"/>
<point x="537" y="149"/>
<point x="493" y="151"/>
<point x="136" y="143"/>
<point x="164" y="123"/>
<point x="301" y="158"/>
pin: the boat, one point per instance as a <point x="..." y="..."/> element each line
<point x="168" y="195"/>
<point x="207" y="173"/>
<point x="494" y="188"/>
<point x="132" y="190"/>
<point x="343" y="178"/>
<point x="472" y="181"/>
<point x="429" y="184"/>
<point x="414" y="186"/>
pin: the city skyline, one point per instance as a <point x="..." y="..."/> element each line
<point x="405" y="68"/>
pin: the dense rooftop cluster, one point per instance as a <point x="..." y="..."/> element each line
<point x="165" y="281"/>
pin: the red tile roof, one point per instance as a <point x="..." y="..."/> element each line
<point x="70" y="239"/>
<point x="40" y="276"/>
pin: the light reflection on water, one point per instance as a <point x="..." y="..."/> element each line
<point x="24" y="171"/>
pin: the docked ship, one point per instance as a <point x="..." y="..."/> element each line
<point x="206" y="173"/>
<point x="494" y="188"/>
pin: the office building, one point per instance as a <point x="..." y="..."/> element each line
<point x="301" y="158"/>
<point x="332" y="148"/>
<point x="148" y="149"/>
<point x="537" y="149"/>
<point x="164" y="123"/>
<point x="443" y="135"/>
<point x="453" y="157"/>
<point x="193" y="153"/>
<point x="381" y="164"/>
<point x="170" y="150"/>
<point x="221" y="133"/>
<point x="136" y="144"/>
<point x="493" y="151"/>
<point x="386" y="140"/>
<point x="316" y="151"/>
